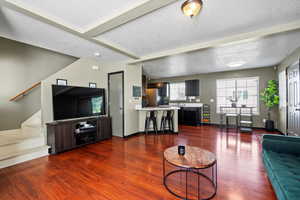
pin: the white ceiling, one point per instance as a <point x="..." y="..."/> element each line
<point x="64" y="26"/>
<point x="22" y="28"/>
<point x="263" y="52"/>
<point x="168" y="28"/>
<point x="80" y="14"/>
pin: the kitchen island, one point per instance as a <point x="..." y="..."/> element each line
<point x="143" y="111"/>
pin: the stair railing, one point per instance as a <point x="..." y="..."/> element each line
<point x="24" y="92"/>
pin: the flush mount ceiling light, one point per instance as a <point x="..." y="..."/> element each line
<point x="97" y="54"/>
<point x="192" y="8"/>
<point x="236" y="64"/>
<point x="95" y="67"/>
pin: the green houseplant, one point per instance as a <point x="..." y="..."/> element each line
<point x="270" y="97"/>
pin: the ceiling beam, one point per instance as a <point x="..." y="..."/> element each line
<point x="46" y="19"/>
<point x="127" y="16"/>
<point x="235" y="39"/>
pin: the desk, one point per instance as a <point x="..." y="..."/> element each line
<point x="243" y="115"/>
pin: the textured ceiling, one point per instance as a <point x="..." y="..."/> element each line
<point x="264" y="52"/>
<point x="21" y="28"/>
<point x="80" y="14"/>
<point x="163" y="29"/>
<point x="168" y="28"/>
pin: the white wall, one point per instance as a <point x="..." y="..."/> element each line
<point x="81" y="73"/>
<point x="132" y="77"/>
<point x="288" y="61"/>
<point x="22" y="66"/>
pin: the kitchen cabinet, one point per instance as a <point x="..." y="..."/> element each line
<point x="192" y="88"/>
<point x="189" y="116"/>
<point x="144" y="85"/>
<point x="163" y="90"/>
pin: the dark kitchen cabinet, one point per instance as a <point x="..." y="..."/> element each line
<point x="65" y="135"/>
<point x="153" y="85"/>
<point x="189" y="116"/>
<point x="163" y="90"/>
<point x="192" y="88"/>
<point x="144" y="85"/>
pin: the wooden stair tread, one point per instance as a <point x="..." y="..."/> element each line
<point x="5" y="155"/>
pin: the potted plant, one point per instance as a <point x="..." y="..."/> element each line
<point x="270" y="97"/>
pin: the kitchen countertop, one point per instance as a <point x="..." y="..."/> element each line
<point x="186" y="104"/>
<point x="158" y="108"/>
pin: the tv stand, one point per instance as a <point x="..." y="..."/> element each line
<point x="65" y="135"/>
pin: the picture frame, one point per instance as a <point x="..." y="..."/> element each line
<point x="63" y="82"/>
<point x="93" y="85"/>
<point x="136" y="91"/>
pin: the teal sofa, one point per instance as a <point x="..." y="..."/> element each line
<point x="281" y="157"/>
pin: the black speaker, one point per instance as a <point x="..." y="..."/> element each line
<point x="181" y="150"/>
<point x="269" y="125"/>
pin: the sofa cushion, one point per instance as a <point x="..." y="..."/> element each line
<point x="285" y="170"/>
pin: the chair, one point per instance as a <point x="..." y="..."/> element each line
<point x="232" y="115"/>
<point x="227" y="114"/>
<point x="151" y="116"/>
<point x="167" y="122"/>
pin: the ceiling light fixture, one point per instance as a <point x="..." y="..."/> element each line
<point x="192" y="8"/>
<point x="97" y="54"/>
<point x="236" y="64"/>
<point x="95" y="67"/>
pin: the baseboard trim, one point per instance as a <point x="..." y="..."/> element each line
<point x="131" y="135"/>
<point x="149" y="132"/>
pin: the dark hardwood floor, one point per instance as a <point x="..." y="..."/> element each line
<point x="131" y="169"/>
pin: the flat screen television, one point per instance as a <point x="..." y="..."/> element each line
<point x="75" y="102"/>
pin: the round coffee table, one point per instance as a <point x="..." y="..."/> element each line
<point x="194" y="160"/>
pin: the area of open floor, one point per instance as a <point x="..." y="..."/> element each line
<point x="131" y="168"/>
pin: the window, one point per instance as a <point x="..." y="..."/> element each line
<point x="177" y="91"/>
<point x="243" y="91"/>
<point x="96" y="104"/>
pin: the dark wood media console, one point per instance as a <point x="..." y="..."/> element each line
<point x="65" y="135"/>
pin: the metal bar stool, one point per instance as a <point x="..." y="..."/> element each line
<point x="167" y="121"/>
<point x="151" y="116"/>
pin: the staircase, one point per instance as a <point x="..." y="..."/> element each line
<point x="23" y="144"/>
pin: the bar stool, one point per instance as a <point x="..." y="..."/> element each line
<point x="151" y="116"/>
<point x="167" y="119"/>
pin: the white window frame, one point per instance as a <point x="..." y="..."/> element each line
<point x="241" y="78"/>
<point x="170" y="91"/>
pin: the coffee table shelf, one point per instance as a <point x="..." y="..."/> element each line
<point x="194" y="161"/>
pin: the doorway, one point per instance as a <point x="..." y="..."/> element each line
<point x="116" y="102"/>
<point x="293" y="100"/>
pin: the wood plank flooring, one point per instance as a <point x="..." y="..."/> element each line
<point x="131" y="169"/>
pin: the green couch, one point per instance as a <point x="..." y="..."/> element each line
<point x="281" y="157"/>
